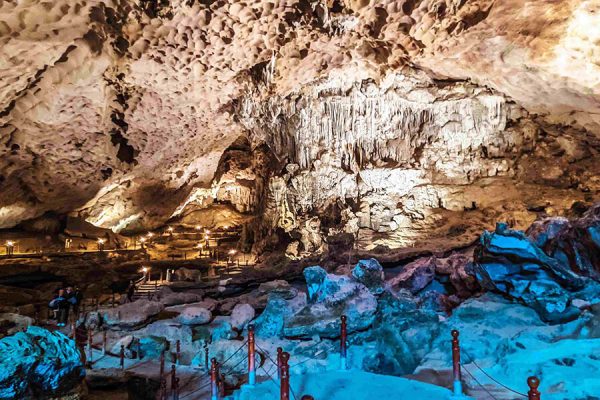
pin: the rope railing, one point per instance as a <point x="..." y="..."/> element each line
<point x="532" y="382"/>
<point x="214" y="377"/>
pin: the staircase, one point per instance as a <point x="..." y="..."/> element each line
<point x="147" y="290"/>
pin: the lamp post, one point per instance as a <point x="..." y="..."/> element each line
<point x="145" y="271"/>
<point x="10" y="247"/>
<point x="100" y="244"/>
<point x="142" y="241"/>
<point x="198" y="229"/>
<point x="170" y="231"/>
<point x="200" y="247"/>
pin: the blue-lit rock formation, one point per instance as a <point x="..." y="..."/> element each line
<point x="38" y="363"/>
<point x="546" y="268"/>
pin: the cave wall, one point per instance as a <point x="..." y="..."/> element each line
<point x="391" y="120"/>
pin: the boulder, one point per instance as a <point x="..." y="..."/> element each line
<point x="172" y="299"/>
<point x="13" y="323"/>
<point x="370" y="273"/>
<point x="190" y="275"/>
<point x="415" y="276"/>
<point x="169" y="330"/>
<point x="511" y="263"/>
<point x="152" y="346"/>
<point x="41" y="362"/>
<point x="131" y="315"/>
<point x="241" y="315"/>
<point x="194" y="316"/>
<point x="272" y="320"/>
<point x="332" y="297"/>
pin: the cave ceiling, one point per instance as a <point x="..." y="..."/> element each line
<point x="125" y="112"/>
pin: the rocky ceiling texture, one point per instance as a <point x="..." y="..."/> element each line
<point x="399" y="123"/>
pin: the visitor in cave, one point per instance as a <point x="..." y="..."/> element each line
<point x="74" y="297"/>
<point x="61" y="305"/>
<point x="130" y="291"/>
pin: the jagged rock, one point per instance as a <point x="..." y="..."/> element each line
<point x="194" y="316"/>
<point x="168" y="329"/>
<point x="332" y="297"/>
<point x="131" y="315"/>
<point x="241" y="315"/>
<point x="186" y="274"/>
<point x="221" y="329"/>
<point x="271" y="322"/>
<point x="370" y="273"/>
<point x="415" y="276"/>
<point x="509" y="262"/>
<point x="13" y="323"/>
<point x="40" y="362"/>
<point x="403" y="334"/>
<point x="152" y="346"/>
<point x="172" y="299"/>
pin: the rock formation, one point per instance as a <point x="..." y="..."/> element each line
<point x="383" y="124"/>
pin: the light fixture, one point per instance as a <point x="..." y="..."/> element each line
<point x="10" y="243"/>
<point x="150" y="234"/>
<point x="170" y="229"/>
<point x="142" y="240"/>
<point x="207" y="232"/>
<point x="198" y="227"/>
<point x="226" y="227"/>
<point x="145" y="269"/>
<point x="199" y="245"/>
<point x="206" y="237"/>
<point x="100" y="241"/>
<point x="232" y="252"/>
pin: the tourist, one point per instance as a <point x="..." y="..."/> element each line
<point x="74" y="297"/>
<point x="130" y="291"/>
<point x="61" y="305"/>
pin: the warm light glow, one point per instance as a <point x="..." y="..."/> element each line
<point x="206" y="237"/>
<point x="232" y="252"/>
<point x="198" y="227"/>
<point x="150" y="234"/>
<point x="207" y="232"/>
<point x="100" y="241"/>
<point x="10" y="243"/>
<point x="199" y="245"/>
<point x="145" y="269"/>
<point x="226" y="227"/>
<point x="170" y="229"/>
<point x="142" y="240"/>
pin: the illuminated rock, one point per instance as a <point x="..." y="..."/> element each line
<point x="40" y="362"/>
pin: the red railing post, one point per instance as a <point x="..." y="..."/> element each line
<point x="534" y="384"/>
<point x="122" y="356"/>
<point x="279" y="362"/>
<point x="284" y="391"/>
<point x="251" y="356"/>
<point x="457" y="384"/>
<point x="343" y="343"/>
<point x="214" y="384"/>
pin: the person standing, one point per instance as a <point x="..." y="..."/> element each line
<point x="60" y="304"/>
<point x="130" y="291"/>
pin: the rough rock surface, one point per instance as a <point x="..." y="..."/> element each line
<point x="398" y="123"/>
<point x="131" y="315"/>
<point x="370" y="273"/>
<point x="330" y="297"/>
<point x="39" y="362"/>
<point x="547" y="268"/>
<point x="194" y="316"/>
